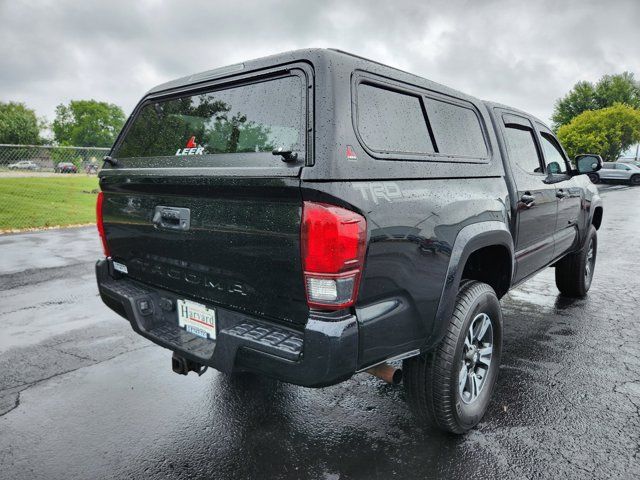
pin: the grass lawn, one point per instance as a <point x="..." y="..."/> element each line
<point x="33" y="202"/>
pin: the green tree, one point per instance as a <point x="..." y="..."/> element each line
<point x="610" y="89"/>
<point x="607" y="132"/>
<point x="18" y="124"/>
<point x="87" y="123"/>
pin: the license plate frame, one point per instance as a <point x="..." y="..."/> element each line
<point x="197" y="319"/>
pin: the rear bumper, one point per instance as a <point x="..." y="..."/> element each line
<point x="325" y="352"/>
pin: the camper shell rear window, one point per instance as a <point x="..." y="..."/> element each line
<point x="233" y="126"/>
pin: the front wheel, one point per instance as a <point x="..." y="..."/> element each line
<point x="450" y="387"/>
<point x="574" y="272"/>
<point x="635" y="180"/>
<point x="594" y="177"/>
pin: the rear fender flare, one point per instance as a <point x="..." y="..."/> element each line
<point x="470" y="239"/>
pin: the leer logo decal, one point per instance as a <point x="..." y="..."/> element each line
<point x="191" y="148"/>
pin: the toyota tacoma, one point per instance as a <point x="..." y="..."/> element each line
<point x="314" y="214"/>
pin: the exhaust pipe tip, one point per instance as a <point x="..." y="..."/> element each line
<point x="397" y="377"/>
<point x="387" y="373"/>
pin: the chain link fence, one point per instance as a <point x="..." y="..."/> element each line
<point x="45" y="186"/>
<point x="46" y="158"/>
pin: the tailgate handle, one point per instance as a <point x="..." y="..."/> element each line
<point x="172" y="218"/>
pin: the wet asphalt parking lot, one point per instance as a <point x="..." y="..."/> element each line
<point x="81" y="396"/>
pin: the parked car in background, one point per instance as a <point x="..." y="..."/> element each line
<point x="66" y="167"/>
<point x="91" y="168"/>
<point x="24" y="165"/>
<point x="631" y="161"/>
<point x="617" y="171"/>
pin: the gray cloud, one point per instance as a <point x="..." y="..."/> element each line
<point x="524" y="54"/>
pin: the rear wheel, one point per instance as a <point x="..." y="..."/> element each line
<point x="450" y="387"/>
<point x="594" y="177"/>
<point x="635" y="180"/>
<point x="575" y="272"/>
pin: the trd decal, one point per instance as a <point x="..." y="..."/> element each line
<point x="375" y="191"/>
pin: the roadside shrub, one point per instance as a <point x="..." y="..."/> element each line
<point x="607" y="132"/>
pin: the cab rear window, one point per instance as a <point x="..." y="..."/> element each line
<point x="247" y="121"/>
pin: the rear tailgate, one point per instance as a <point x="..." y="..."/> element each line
<point x="197" y="203"/>
<point x="241" y="250"/>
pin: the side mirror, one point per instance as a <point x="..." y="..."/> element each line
<point x="588" y="163"/>
<point x="553" y="168"/>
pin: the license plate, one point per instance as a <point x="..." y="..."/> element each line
<point x="197" y="319"/>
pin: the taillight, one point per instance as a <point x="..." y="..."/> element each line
<point x="100" y="223"/>
<point x="333" y="247"/>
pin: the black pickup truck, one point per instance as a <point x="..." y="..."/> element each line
<point x="315" y="214"/>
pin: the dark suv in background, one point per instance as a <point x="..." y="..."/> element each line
<point x="314" y="214"/>
<point x="66" y="167"/>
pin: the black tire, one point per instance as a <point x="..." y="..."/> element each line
<point x="635" y="180"/>
<point x="573" y="279"/>
<point x="432" y="380"/>
<point x="594" y="177"/>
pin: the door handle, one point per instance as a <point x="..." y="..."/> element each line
<point x="528" y="200"/>
<point x="561" y="194"/>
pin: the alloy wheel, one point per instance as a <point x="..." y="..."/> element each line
<point x="589" y="263"/>
<point x="476" y="358"/>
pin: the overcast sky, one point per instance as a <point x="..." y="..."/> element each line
<point x="525" y="54"/>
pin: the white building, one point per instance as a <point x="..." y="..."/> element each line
<point x="632" y="152"/>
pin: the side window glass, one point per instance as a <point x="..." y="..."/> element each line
<point x="456" y="129"/>
<point x="553" y="158"/>
<point x="391" y="121"/>
<point x="522" y="149"/>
